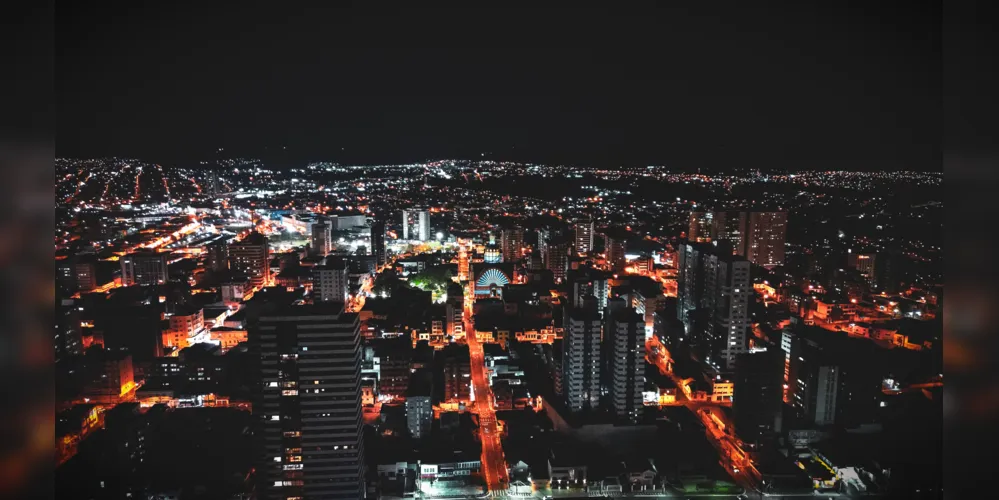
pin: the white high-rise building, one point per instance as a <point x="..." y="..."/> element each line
<point x="416" y="224"/>
<point x="581" y="359"/>
<point x="330" y="282"/>
<point x="713" y="292"/>
<point x="584" y="236"/>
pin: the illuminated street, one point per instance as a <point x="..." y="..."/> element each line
<point x="493" y="463"/>
<point x="733" y="459"/>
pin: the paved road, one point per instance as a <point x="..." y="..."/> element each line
<point x="493" y="461"/>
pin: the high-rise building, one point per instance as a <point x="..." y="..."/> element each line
<point x="624" y="332"/>
<point x="581" y="359"/>
<point x="756" y="400"/>
<point x="586" y="282"/>
<point x="464" y="260"/>
<point x="647" y="298"/>
<point x="454" y="307"/>
<point x="814" y="380"/>
<point x="330" y="282"/>
<point x="416" y="224"/>
<point x="700" y="227"/>
<point x="85" y="272"/>
<point x="214" y="183"/>
<point x="68" y="340"/>
<point x="396" y="357"/>
<point x="144" y="268"/>
<point x="511" y="243"/>
<point x="584" y="236"/>
<point x="424" y="225"/>
<point x="457" y="372"/>
<point x="217" y="255"/>
<point x="730" y="227"/>
<point x="378" y="241"/>
<point x="249" y="256"/>
<point x="864" y="263"/>
<point x="307" y="407"/>
<point x="765" y="233"/>
<point x="713" y="292"/>
<point x="887" y="274"/>
<point x="322" y="238"/>
<point x="557" y="257"/>
<point x="108" y="377"/>
<point x="419" y="407"/>
<point x="758" y="236"/>
<point x="614" y="249"/>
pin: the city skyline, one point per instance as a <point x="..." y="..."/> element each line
<point x="689" y="252"/>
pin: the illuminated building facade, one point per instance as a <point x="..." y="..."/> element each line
<point x="557" y="258"/>
<point x="457" y="373"/>
<point x="614" y="249"/>
<point x="757" y="236"/>
<point x="864" y="262"/>
<point x="765" y="233"/>
<point x="700" y="226"/>
<point x="249" y="256"/>
<point x="308" y="406"/>
<point x="586" y="282"/>
<point x="624" y="334"/>
<point x="581" y="359"/>
<point x="330" y="282"/>
<point x="378" y="242"/>
<point x="463" y="261"/>
<point x="144" y="268"/>
<point x="454" y="307"/>
<point x="419" y="407"/>
<point x="85" y="274"/>
<point x="217" y="256"/>
<point x="416" y="224"/>
<point x="584" y="236"/>
<point x="713" y="292"/>
<point x="512" y="243"/>
<point x="322" y="238"/>
<point x="489" y="279"/>
<point x="110" y="377"/>
<point x="492" y="254"/>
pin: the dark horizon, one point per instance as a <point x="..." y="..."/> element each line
<point x="797" y="89"/>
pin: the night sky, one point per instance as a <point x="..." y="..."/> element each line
<point x="796" y="87"/>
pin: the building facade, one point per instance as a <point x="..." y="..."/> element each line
<point x="322" y="238"/>
<point x="307" y="407"/>
<point x="584" y="236"/>
<point x="713" y="293"/>
<point x="624" y="331"/>
<point x="249" y="256"/>
<point x="330" y="282"/>
<point x="378" y="242"/>
<point x="144" y="268"/>
<point x="757" y="395"/>
<point x="581" y="359"/>
<point x="765" y="235"/>
<point x="217" y="256"/>
<point x="416" y="224"/>
<point x="512" y="243"/>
